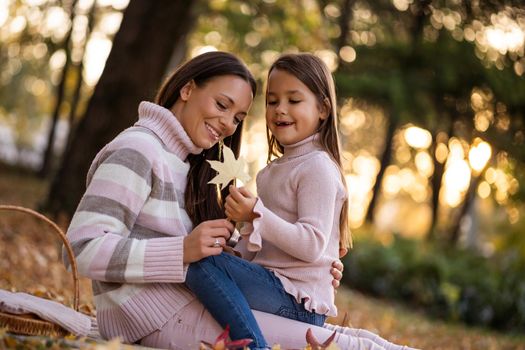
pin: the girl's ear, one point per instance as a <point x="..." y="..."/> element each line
<point x="186" y="90"/>
<point x="325" y="109"/>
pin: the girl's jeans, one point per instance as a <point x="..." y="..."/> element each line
<point x="229" y="286"/>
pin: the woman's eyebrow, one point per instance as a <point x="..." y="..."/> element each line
<point x="228" y="98"/>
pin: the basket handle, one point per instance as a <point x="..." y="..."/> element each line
<point x="64" y="240"/>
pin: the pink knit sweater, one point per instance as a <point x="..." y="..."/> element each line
<point x="297" y="232"/>
<point x="128" y="230"/>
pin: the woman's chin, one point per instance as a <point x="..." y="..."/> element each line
<point x="205" y="143"/>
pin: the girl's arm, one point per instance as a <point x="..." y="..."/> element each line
<point x="319" y="198"/>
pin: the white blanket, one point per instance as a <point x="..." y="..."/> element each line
<point x="23" y="303"/>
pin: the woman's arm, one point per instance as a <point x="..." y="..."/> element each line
<point x="119" y="184"/>
<point x="119" y="187"/>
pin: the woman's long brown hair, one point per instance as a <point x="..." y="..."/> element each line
<point x="312" y="71"/>
<point x="202" y="200"/>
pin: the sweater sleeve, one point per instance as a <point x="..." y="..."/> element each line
<point x="119" y="184"/>
<point x="318" y="196"/>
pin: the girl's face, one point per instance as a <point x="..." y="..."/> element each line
<point x="211" y="112"/>
<point x="292" y="109"/>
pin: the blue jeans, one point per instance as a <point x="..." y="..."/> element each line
<point x="229" y="287"/>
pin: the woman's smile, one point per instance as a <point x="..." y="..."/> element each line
<point x="214" y="134"/>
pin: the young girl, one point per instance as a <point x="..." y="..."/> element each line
<point x="298" y="222"/>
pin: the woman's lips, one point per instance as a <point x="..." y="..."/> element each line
<point x="214" y="133"/>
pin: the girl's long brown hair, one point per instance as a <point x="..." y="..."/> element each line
<point x="312" y="71"/>
<point x="202" y="201"/>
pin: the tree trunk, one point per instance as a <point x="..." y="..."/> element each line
<point x="48" y="153"/>
<point x="417" y="35"/>
<point x="79" y="67"/>
<point x="467" y="201"/>
<point x="142" y="48"/>
<point x="437" y="177"/>
<point x="436" y="182"/>
<point x="344" y="24"/>
<point x="385" y="161"/>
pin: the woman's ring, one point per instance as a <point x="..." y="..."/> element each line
<point x="217" y="243"/>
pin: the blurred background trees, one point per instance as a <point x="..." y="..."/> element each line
<point x="431" y="108"/>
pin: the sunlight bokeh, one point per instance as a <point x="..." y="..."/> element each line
<point x="457" y="175"/>
<point x="418" y="137"/>
<point x="97" y="52"/>
<point x="505" y="34"/>
<point x="199" y="50"/>
<point x="420" y="149"/>
<point x="479" y="155"/>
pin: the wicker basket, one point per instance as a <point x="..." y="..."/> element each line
<point x="30" y="324"/>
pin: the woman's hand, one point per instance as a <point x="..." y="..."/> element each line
<point x="337" y="273"/>
<point x="200" y="242"/>
<point x="239" y="205"/>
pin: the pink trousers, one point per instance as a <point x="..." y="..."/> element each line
<point x="193" y="323"/>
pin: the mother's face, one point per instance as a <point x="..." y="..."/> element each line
<point x="211" y="112"/>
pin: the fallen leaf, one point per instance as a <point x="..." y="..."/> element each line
<point x="222" y="343"/>
<point x="228" y="170"/>
<point x="316" y="345"/>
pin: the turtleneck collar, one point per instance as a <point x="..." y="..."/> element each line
<point x="168" y="128"/>
<point x="302" y="147"/>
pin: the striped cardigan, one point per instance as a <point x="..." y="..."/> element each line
<point x="128" y="230"/>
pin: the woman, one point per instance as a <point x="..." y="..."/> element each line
<point x="148" y="211"/>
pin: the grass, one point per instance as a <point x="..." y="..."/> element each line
<point x="30" y="261"/>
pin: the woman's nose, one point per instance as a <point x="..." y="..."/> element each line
<point x="228" y="125"/>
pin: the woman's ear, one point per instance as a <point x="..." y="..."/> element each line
<point x="186" y="90"/>
<point x="324" y="109"/>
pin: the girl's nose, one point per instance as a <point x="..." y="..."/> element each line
<point x="280" y="109"/>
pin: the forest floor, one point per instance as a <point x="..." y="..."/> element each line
<point x="30" y="262"/>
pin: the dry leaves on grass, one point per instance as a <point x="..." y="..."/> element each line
<point x="32" y="263"/>
<point x="30" y="258"/>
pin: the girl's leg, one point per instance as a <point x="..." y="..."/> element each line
<point x="229" y="286"/>
<point x="225" y="301"/>
<point x="365" y="334"/>
<point x="261" y="288"/>
<point x="291" y="334"/>
<point x="193" y="324"/>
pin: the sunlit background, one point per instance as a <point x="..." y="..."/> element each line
<point x="32" y="60"/>
<point x="431" y="105"/>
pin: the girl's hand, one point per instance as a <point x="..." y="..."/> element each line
<point x="200" y="242"/>
<point x="342" y="252"/>
<point x="239" y="205"/>
<point x="337" y="273"/>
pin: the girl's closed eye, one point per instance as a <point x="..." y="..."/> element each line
<point x="237" y="120"/>
<point x="271" y="103"/>
<point x="294" y="101"/>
